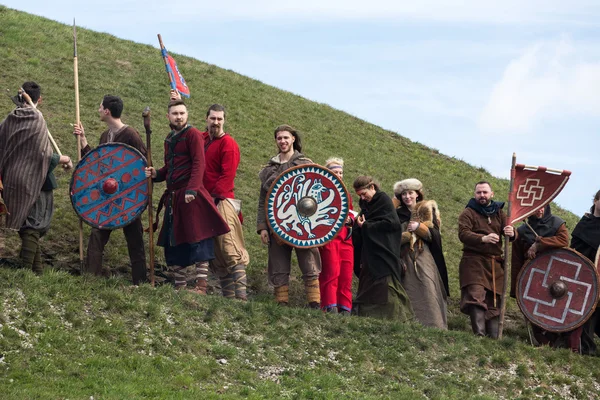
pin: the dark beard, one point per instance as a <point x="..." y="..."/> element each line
<point x="176" y="127"/>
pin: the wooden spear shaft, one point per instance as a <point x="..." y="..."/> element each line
<point x="26" y="97"/>
<point x="506" y="264"/>
<point x="146" y="116"/>
<point x="77" y="122"/>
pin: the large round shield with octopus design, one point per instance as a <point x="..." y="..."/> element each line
<point x="108" y="187"/>
<point x="558" y="290"/>
<point x="307" y="206"/>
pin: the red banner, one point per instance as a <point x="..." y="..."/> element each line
<point x="533" y="188"/>
<point x="177" y="81"/>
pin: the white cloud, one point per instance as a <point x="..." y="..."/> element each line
<point x="549" y="80"/>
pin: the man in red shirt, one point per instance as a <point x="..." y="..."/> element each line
<point x="222" y="159"/>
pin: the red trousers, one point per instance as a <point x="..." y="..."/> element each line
<point x="335" y="281"/>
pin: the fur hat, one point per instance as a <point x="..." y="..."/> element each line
<point x="408" y="184"/>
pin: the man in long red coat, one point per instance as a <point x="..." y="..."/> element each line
<point x="191" y="218"/>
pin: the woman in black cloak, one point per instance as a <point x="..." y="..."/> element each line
<point x="377" y="232"/>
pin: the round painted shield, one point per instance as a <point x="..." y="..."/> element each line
<point x="307" y="206"/>
<point x="108" y="187"/>
<point x="558" y="290"/>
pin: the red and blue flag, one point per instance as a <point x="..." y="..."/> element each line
<point x="177" y="81"/>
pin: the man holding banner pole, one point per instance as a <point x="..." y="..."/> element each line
<point x="191" y="218"/>
<point x="222" y="155"/>
<point x="480" y="229"/>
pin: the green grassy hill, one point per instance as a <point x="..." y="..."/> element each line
<point x="271" y="352"/>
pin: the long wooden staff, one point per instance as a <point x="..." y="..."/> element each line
<point x="162" y="47"/>
<point x="77" y="121"/>
<point x="146" y="115"/>
<point x="505" y="263"/>
<point x="493" y="260"/>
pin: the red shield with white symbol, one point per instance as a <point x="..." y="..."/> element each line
<point x="108" y="187"/>
<point x="307" y="206"/>
<point x="558" y="290"/>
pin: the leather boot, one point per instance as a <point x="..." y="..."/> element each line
<point x="313" y="293"/>
<point x="200" y="287"/>
<point x="282" y="295"/>
<point x="477" y="315"/>
<point x="492" y="327"/>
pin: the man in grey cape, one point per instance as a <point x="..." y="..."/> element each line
<point x="26" y="164"/>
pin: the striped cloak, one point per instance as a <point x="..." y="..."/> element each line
<point x="25" y="153"/>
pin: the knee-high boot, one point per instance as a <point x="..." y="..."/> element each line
<point x="492" y="327"/>
<point x="477" y="315"/>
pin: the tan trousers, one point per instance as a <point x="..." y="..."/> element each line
<point x="230" y="249"/>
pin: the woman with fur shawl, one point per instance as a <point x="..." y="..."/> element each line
<point x="425" y="276"/>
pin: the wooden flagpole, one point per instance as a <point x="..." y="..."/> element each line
<point x="146" y="116"/>
<point x="162" y="47"/>
<point x="506" y="264"/>
<point x="77" y="122"/>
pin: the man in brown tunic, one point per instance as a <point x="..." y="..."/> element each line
<point x="110" y="112"/>
<point x="480" y="229"/>
<point x="280" y="254"/>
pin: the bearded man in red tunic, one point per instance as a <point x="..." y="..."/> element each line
<point x="191" y="218"/>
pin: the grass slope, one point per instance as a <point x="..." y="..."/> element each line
<point x="80" y="337"/>
<point x="34" y="48"/>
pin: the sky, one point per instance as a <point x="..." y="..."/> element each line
<point x="473" y="79"/>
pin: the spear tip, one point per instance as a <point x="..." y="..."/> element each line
<point x="74" y="39"/>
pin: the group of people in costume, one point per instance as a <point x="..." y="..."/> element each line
<point x="393" y="245"/>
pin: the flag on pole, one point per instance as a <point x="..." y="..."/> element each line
<point x="177" y="81"/>
<point x="533" y="188"/>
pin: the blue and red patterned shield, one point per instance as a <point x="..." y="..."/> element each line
<point x="558" y="290"/>
<point x="307" y="206"/>
<point x="109" y="188"/>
